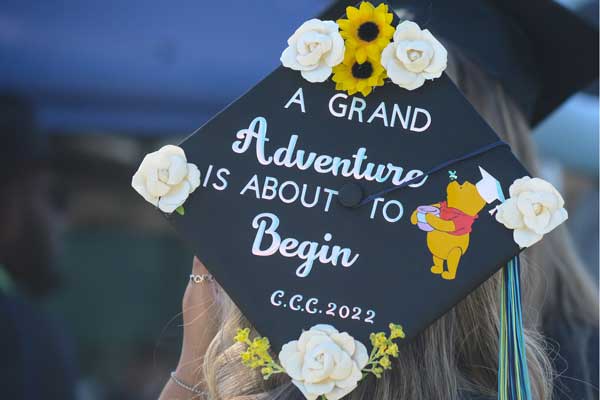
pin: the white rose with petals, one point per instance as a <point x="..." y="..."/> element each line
<point x="413" y="56"/>
<point x="534" y="208"/>
<point x="324" y="362"/>
<point x="314" y="49"/>
<point x="165" y="178"/>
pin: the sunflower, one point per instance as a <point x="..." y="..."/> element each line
<point x="367" y="30"/>
<point x="354" y="76"/>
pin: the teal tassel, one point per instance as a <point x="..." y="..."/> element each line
<point x="513" y="377"/>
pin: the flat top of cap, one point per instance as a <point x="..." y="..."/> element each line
<point x="291" y="255"/>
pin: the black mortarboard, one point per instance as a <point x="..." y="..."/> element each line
<point x="221" y="223"/>
<point x="311" y="204"/>
<point x="540" y="51"/>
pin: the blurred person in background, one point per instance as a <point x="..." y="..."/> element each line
<point x="36" y="360"/>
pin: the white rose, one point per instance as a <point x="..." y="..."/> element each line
<point x="165" y="178"/>
<point x="534" y="208"/>
<point x="324" y="362"/>
<point x="314" y="49"/>
<point x="413" y="56"/>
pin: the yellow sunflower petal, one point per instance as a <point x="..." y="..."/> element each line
<point x="366" y="91"/>
<point x="374" y="52"/>
<point x="388" y="31"/>
<point x="361" y="55"/>
<point x="381" y="8"/>
<point x="382" y="14"/>
<point x="376" y="80"/>
<point x="379" y="72"/>
<point x="352" y="13"/>
<point x="341" y="76"/>
<point x="366" y="9"/>
<point x="351" y="44"/>
<point x="349" y="57"/>
<point x="377" y="68"/>
<point x="343" y="23"/>
<point x="389" y="17"/>
<point x="382" y="42"/>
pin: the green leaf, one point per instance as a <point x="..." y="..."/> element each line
<point x="180" y="210"/>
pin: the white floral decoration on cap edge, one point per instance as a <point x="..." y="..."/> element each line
<point x="314" y="49"/>
<point x="323" y="363"/>
<point x="338" y="373"/>
<point x="165" y="179"/>
<point x="413" y="56"/>
<point x="534" y="208"/>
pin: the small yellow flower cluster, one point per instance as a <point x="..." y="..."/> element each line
<point x="383" y="349"/>
<point x="242" y="335"/>
<point x="396" y="332"/>
<point x="257" y="354"/>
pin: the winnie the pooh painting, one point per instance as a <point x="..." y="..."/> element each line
<point x="449" y="223"/>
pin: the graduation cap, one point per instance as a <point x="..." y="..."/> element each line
<point x="528" y="46"/>
<point x="347" y="191"/>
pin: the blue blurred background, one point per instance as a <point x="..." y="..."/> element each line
<point x="106" y="82"/>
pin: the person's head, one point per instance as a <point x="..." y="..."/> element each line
<point x="459" y="352"/>
<point x="25" y="213"/>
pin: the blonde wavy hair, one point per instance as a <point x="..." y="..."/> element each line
<point x="457" y="356"/>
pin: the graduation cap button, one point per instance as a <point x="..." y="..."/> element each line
<point x="350" y="195"/>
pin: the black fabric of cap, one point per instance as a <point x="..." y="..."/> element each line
<point x="540" y="52"/>
<point x="253" y="205"/>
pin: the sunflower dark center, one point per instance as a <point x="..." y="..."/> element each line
<point x="368" y="31"/>
<point x="362" y="71"/>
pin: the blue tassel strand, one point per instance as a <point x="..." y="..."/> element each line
<point x="513" y="377"/>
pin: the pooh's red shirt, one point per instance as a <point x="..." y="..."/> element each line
<point x="462" y="222"/>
